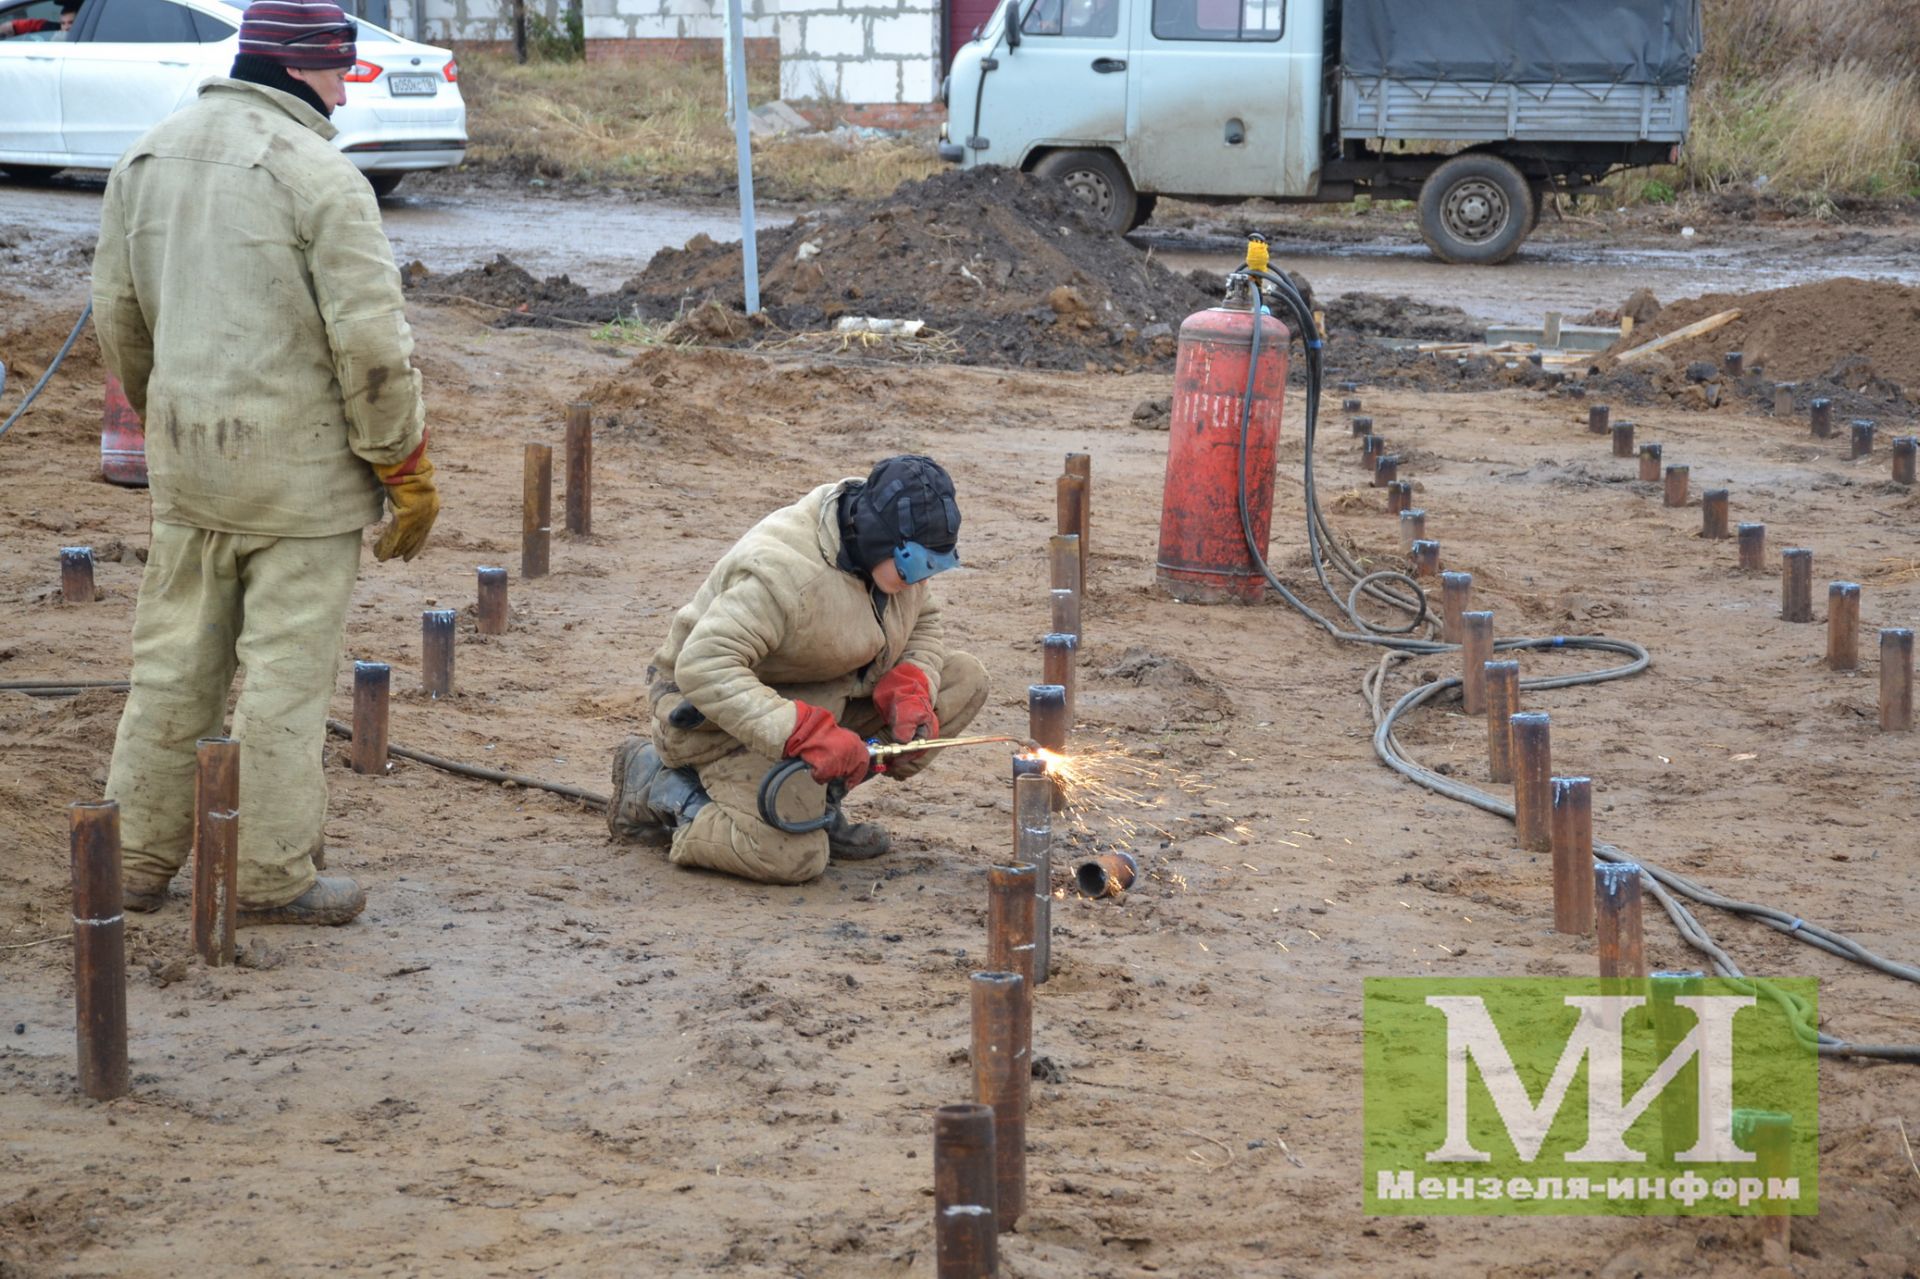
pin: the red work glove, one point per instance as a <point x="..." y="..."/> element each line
<point x="834" y="753"/>
<point x="905" y="702"/>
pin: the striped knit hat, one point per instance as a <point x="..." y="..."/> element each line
<point x="310" y="34"/>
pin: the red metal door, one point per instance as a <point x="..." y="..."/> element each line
<point x="963" y="18"/>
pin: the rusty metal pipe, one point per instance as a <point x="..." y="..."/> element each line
<point x="1736" y="363"/>
<point x="1572" y="855"/>
<point x="1769" y="1135"/>
<point x="1616" y="914"/>
<point x="1386" y="469"/>
<point x="1820" y="417"/>
<point x="1107" y="875"/>
<point x="1753" y="548"/>
<point x="965" y="1238"/>
<point x="1350" y="405"/>
<point x="1649" y="463"/>
<point x="1063" y="613"/>
<point x="1070" y="513"/>
<point x="1503" y="703"/>
<point x="1713" y="514"/>
<point x="76" y="575"/>
<point x="1905" y="448"/>
<point x="1413" y="528"/>
<point x="99" y="950"/>
<point x="536" y="510"/>
<point x="1059" y="657"/>
<point x="580" y="468"/>
<point x="1033" y="846"/>
<point x="490" y="612"/>
<point x="1000" y="1074"/>
<point x="1623" y="439"/>
<point x="1796" y="584"/>
<point x="370" y="686"/>
<point x="216" y="790"/>
<point x="1676" y="491"/>
<point x="1532" y="773"/>
<point x="1426" y="558"/>
<point x="1896" y="679"/>
<point x="436" y="651"/>
<point x="1843" y="626"/>
<point x="1860" y="438"/>
<point x="1456" y="596"/>
<point x="1010" y="936"/>
<point x="1597" y="418"/>
<point x="1678" y="1116"/>
<point x="1361" y="427"/>
<point x="1371" y="447"/>
<point x="1476" y="650"/>
<point x="1399" y="496"/>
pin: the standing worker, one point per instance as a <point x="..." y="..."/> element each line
<point x="246" y="297"/>
<point x="816" y="631"/>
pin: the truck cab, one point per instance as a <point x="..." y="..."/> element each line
<point x="1321" y="100"/>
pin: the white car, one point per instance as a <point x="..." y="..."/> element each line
<point x="77" y="100"/>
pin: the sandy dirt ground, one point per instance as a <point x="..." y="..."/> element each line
<point x="540" y="1052"/>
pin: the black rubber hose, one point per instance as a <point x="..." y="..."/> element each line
<point x="1323" y="547"/>
<point x="51" y="369"/>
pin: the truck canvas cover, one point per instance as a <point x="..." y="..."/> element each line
<point x="1522" y="41"/>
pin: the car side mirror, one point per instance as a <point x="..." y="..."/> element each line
<point x="1013" y="24"/>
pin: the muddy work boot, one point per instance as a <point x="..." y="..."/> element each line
<point x="635" y="764"/>
<point x="327" y="903"/>
<point x="856" y="841"/>
<point x="142" y="898"/>
<point x="675" y="796"/>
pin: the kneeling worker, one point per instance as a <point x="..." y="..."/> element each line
<point x="815" y="632"/>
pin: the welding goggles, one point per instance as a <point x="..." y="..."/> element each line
<point x="916" y="563"/>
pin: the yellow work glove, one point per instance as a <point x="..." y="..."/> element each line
<point x="416" y="503"/>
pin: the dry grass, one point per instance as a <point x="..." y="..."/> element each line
<point x="1843" y="129"/>
<point x="660" y="127"/>
<point x="1821" y="97"/>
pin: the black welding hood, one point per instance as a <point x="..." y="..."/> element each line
<point x="907" y="501"/>
<point x="1522" y="41"/>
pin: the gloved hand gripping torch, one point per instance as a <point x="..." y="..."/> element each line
<point x="878" y="753"/>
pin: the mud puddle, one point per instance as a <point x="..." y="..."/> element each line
<point x="1572" y="278"/>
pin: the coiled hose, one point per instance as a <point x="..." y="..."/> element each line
<point x="1400" y="591"/>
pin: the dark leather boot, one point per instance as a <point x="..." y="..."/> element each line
<point x="856" y="841"/>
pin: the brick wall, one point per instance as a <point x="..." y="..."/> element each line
<point x="605" y="19"/>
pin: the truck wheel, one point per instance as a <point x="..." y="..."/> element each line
<point x="1098" y="181"/>
<point x="384" y="184"/>
<point x="1475" y="208"/>
<point x="1142" y="210"/>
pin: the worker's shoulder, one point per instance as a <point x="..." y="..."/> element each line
<point x="247" y="126"/>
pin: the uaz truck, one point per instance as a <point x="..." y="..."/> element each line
<point x="1479" y="109"/>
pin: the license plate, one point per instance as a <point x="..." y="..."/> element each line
<point x="419" y="86"/>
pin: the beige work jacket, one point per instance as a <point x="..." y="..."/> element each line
<point x="246" y="296"/>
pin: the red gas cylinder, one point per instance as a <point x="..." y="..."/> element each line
<point x="1203" y="552"/>
<point x="123" y="443"/>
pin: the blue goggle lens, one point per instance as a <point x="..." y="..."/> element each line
<point x="916" y="563"/>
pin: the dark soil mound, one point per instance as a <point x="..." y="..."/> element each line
<point x="1004" y="265"/>
<point x="1863" y="335"/>
<point x="1372" y="315"/>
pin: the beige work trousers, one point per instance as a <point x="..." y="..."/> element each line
<point x="208" y="602"/>
<point x="728" y="834"/>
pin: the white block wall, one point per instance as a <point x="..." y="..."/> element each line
<point x="604" y="19"/>
<point x="859" y="52"/>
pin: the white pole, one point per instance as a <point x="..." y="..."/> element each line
<point x="737" y="92"/>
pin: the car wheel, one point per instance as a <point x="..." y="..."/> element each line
<point x="1142" y="210"/>
<point x="383" y="184"/>
<point x="29" y="172"/>
<point x="1098" y="181"/>
<point x="1476" y="208"/>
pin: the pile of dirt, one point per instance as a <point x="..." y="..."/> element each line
<point x="1861" y="336"/>
<point x="503" y="284"/>
<point x="1374" y="315"/>
<point x="1005" y="266"/>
